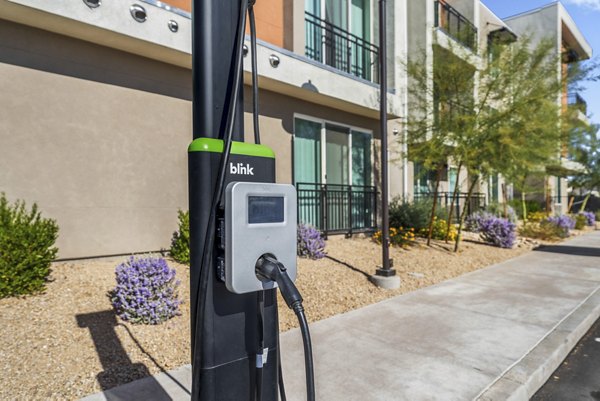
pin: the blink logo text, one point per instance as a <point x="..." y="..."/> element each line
<point x="241" y="169"/>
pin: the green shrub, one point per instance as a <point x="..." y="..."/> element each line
<point x="412" y="215"/>
<point x="536" y="217"/>
<point x="580" y="221"/>
<point x="440" y="228"/>
<point x="532" y="207"/>
<point x="180" y="243"/>
<point x="543" y="231"/>
<point x="26" y="248"/>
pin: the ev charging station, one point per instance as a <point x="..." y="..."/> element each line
<point x="242" y="225"/>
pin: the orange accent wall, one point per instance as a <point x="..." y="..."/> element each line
<point x="269" y="18"/>
<point x="183" y="4"/>
<point x="269" y="21"/>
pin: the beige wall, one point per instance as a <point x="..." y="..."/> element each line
<point x="96" y="137"/>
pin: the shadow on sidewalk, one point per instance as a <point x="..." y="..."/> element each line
<point x="569" y="250"/>
<point x="118" y="367"/>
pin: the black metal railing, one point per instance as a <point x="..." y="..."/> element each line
<point x="331" y="45"/>
<point x="455" y="24"/>
<point x="477" y="201"/>
<point x="337" y="209"/>
<point x="574" y="99"/>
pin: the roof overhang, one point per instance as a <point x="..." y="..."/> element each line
<point x="572" y="37"/>
<point x="566" y="168"/>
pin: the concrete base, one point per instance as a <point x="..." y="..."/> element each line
<point x="388" y="283"/>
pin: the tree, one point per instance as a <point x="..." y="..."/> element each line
<point x="500" y="117"/>
<point x="585" y="149"/>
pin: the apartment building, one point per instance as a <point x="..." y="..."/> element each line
<point x="96" y="104"/>
<point x="460" y="30"/>
<point x="96" y="107"/>
<point x="554" y="22"/>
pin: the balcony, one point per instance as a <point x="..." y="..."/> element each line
<point x="575" y="100"/>
<point x="453" y="23"/>
<point x="337" y="209"/>
<point x="333" y="46"/>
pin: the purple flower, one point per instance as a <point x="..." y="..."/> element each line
<point x="146" y="291"/>
<point x="563" y="222"/>
<point x="310" y="242"/>
<point x="494" y="230"/>
<point x="590" y="218"/>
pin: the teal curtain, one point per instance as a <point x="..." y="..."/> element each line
<point x="307" y="151"/>
<point x="313" y="7"/>
<point x="361" y="158"/>
<point x="337" y="155"/>
<point x="452" y="175"/>
<point x="336" y="12"/>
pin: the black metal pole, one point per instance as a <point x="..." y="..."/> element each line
<point x="214" y="25"/>
<point x="385" y="270"/>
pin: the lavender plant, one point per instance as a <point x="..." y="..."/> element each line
<point x="590" y="218"/>
<point x="562" y="223"/>
<point x="497" y="231"/>
<point x="146" y="291"/>
<point x="310" y="242"/>
<point x="474" y="221"/>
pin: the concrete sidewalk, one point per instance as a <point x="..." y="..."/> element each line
<point x="494" y="334"/>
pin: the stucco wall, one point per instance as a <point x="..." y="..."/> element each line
<point x="98" y="138"/>
<point x="95" y="137"/>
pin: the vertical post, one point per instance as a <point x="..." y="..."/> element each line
<point x="385" y="271"/>
<point x="224" y="326"/>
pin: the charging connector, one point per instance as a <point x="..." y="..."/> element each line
<point x="269" y="268"/>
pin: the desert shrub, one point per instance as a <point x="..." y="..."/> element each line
<point x="543" y="230"/>
<point x="536" y="217"/>
<point x="440" y="228"/>
<point x="590" y="218"/>
<point x="532" y="207"/>
<point x="398" y="236"/>
<point x="180" y="242"/>
<point x="146" y="291"/>
<point x="474" y="221"/>
<point x="562" y="225"/>
<point x="412" y="215"/>
<point x="310" y="242"/>
<point x="580" y="221"/>
<point x="499" y="232"/>
<point x="26" y="248"/>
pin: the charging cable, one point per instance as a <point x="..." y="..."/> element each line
<point x="254" y="58"/>
<point x="207" y="248"/>
<point x="269" y="268"/>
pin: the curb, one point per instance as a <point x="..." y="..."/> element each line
<point x="524" y="378"/>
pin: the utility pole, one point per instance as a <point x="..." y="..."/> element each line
<point x="224" y="325"/>
<point x="385" y="275"/>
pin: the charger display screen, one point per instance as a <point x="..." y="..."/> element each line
<point x="265" y="209"/>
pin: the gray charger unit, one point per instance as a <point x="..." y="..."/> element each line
<point x="260" y="218"/>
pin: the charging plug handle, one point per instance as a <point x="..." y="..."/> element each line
<point x="269" y="268"/>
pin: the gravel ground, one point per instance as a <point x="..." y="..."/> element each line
<point x="66" y="343"/>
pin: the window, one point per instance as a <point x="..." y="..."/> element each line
<point x="558" y="191"/>
<point x="330" y="153"/>
<point x="424" y="179"/>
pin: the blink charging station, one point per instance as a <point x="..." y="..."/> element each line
<point x="260" y="220"/>
<point x="242" y="225"/>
